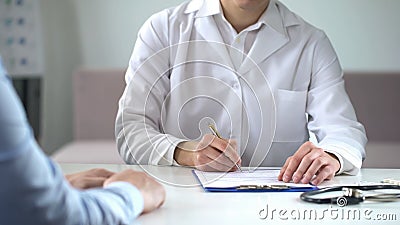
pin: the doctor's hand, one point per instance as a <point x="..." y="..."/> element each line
<point x="89" y="178"/>
<point x="309" y="163"/>
<point x="210" y="154"/>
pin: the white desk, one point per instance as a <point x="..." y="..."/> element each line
<point x="187" y="203"/>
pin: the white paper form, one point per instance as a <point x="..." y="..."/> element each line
<point x="247" y="177"/>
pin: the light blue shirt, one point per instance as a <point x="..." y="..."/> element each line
<point x="33" y="189"/>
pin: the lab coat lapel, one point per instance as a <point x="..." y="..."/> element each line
<point x="208" y="30"/>
<point x="267" y="42"/>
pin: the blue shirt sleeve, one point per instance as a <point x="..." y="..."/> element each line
<point x="33" y="189"/>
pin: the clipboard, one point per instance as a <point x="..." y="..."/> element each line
<point x="260" y="180"/>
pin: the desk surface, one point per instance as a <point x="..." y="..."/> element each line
<point x="187" y="203"/>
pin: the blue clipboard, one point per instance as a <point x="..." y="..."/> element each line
<point x="253" y="188"/>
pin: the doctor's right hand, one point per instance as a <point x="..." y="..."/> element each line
<point x="210" y="154"/>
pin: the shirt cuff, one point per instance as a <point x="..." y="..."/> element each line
<point x="340" y="158"/>
<point x="168" y="157"/>
<point x="132" y="195"/>
<point x="350" y="161"/>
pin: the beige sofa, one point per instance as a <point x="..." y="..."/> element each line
<point x="96" y="92"/>
<point x="376" y="96"/>
<point x="95" y="95"/>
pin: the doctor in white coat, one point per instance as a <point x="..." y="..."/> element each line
<point x="261" y="74"/>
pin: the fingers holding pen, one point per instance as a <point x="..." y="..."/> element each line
<point x="211" y="153"/>
<point x="227" y="146"/>
<point x="217" y="153"/>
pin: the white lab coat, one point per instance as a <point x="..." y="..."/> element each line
<point x="181" y="78"/>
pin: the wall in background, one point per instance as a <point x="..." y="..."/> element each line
<point x="365" y="33"/>
<point x="108" y="29"/>
<point x="101" y="34"/>
<point x="84" y="33"/>
<point x="62" y="56"/>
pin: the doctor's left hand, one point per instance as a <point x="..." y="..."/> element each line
<point x="307" y="162"/>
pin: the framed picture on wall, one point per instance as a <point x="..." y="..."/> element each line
<point x="21" y="44"/>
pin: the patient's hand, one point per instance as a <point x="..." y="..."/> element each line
<point x="89" y="179"/>
<point x="153" y="192"/>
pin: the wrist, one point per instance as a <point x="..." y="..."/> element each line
<point x="337" y="160"/>
<point x="184" y="153"/>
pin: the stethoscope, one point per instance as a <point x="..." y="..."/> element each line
<point x="352" y="195"/>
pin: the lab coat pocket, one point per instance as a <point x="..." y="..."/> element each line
<point x="291" y="123"/>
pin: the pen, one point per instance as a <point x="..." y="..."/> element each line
<point x="215" y="132"/>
